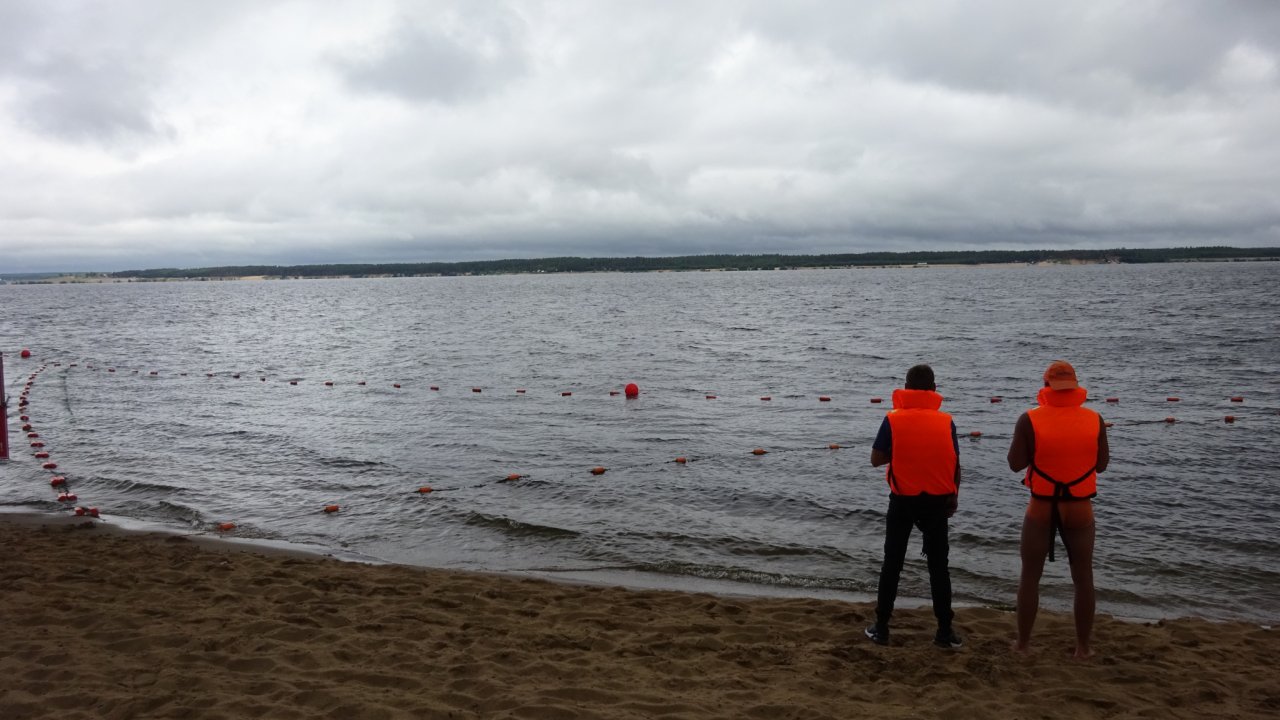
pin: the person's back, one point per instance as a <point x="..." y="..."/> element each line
<point x="917" y="441"/>
<point x="1062" y="446"/>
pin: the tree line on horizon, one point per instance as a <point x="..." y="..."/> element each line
<point x="707" y="262"/>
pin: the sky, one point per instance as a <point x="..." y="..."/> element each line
<point x="169" y="133"/>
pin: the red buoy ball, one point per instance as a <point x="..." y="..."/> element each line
<point x="25" y="353"/>
<point x="632" y="390"/>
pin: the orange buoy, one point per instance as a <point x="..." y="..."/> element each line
<point x="823" y="398"/>
<point x="227" y="526"/>
<point x="598" y="470"/>
<point x="32" y="435"/>
<point x="975" y="433"/>
<point x="435" y="387"/>
<point x="996" y="399"/>
<point x="37" y="444"/>
<point x="395" y="385"/>
<point x="424" y="489"/>
<point x="361" y="382"/>
<point x="263" y="379"/>
<point x="876" y="400"/>
<point x="1172" y="399"/>
<point x="57" y="481"/>
<point x="27" y="427"/>
<point x="565" y="394"/>
<point x="41" y="455"/>
<point x="759" y="451"/>
<point x="632" y="390"/>
<point x="1229" y="418"/>
<point x="93" y="512"/>
<point x="519" y="391"/>
<point x="328" y="383"/>
<point x="50" y="466"/>
<point x="711" y="397"/>
<point x="79" y="512"/>
<point x="24" y="418"/>
<point x="153" y="372"/>
<point x="833" y="446"/>
<point x="766" y="398"/>
<point x="293" y="382"/>
<point x="681" y="460"/>
<point x="1113" y="399"/>
<point x="476" y="389"/>
<point x="66" y="497"/>
<point x="236" y="376"/>
<point x="25" y="353"/>
<point x="1170" y="419"/>
<point x="1237" y="398"/>
<point x="514" y="476"/>
<point x="332" y="508"/>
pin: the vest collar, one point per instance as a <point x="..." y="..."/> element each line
<point x="1062" y="398"/>
<point x="904" y="399"/>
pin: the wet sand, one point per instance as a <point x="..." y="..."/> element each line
<point x="103" y="624"/>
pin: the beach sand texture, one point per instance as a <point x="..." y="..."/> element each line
<point x="98" y="624"/>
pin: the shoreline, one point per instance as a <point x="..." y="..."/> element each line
<point x="120" y="624"/>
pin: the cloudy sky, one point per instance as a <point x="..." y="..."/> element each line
<point x="160" y="133"/>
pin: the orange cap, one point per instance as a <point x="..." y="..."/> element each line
<point x="1061" y="376"/>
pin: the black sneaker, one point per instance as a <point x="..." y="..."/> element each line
<point x="878" y="634"/>
<point x="948" y="639"/>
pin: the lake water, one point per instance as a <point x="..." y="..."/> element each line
<point x="1188" y="512"/>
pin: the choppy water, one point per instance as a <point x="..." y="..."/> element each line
<point x="1187" y="512"/>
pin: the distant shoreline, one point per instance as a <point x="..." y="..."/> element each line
<point x="687" y="263"/>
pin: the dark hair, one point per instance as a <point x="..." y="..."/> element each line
<point x="920" y="377"/>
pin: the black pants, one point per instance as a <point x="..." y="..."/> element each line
<point x="929" y="513"/>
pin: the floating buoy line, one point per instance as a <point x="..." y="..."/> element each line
<point x="61" y="484"/>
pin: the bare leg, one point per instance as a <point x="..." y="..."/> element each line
<point x="1035" y="546"/>
<point x="1080" y="540"/>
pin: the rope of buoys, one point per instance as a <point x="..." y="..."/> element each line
<point x="759" y="451"/>
<point x="598" y="470"/>
<point x="332" y="508"/>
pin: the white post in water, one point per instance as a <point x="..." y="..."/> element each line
<point x="4" y="415"/>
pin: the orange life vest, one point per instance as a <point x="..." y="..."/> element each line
<point x="1065" y="463"/>
<point x="922" y="460"/>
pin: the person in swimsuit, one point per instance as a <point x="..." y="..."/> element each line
<point x="1062" y="446"/>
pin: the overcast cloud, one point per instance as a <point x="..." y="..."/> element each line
<point x="158" y="133"/>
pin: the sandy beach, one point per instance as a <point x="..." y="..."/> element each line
<point x="105" y="624"/>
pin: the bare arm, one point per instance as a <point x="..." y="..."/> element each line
<point x="1023" y="447"/>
